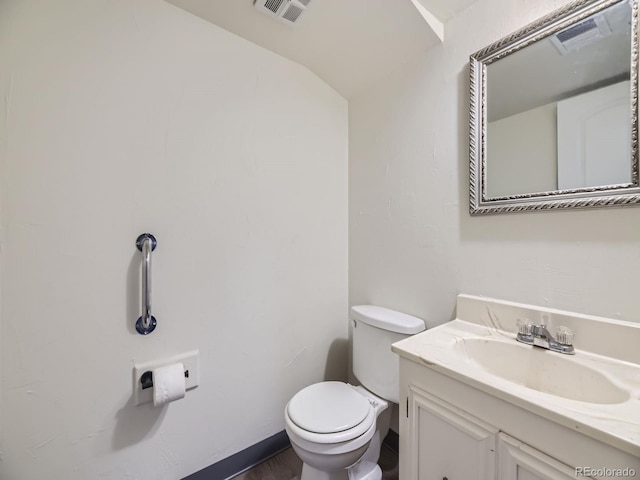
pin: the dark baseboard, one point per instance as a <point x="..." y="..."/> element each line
<point x="244" y="460"/>
<point x="258" y="453"/>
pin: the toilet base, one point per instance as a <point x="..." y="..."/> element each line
<point x="360" y="471"/>
<point x="365" y="471"/>
<point x="310" y="473"/>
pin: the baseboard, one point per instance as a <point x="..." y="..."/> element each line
<point x="258" y="453"/>
<point x="244" y="460"/>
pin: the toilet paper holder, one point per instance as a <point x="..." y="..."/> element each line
<point x="144" y="385"/>
<point x="146" y="380"/>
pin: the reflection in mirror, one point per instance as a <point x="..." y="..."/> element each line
<point x="544" y="101"/>
<point x="553" y="110"/>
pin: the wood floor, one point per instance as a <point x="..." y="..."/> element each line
<point x="287" y="466"/>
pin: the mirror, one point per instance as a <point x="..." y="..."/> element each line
<point x="554" y="112"/>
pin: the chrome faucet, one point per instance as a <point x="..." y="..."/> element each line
<point x="539" y="336"/>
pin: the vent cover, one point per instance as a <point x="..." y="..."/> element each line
<point x="287" y="11"/>
<point x="273" y="5"/>
<point x="578" y="36"/>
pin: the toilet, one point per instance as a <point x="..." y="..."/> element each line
<point x="336" y="428"/>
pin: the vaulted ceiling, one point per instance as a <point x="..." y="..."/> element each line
<point x="350" y="44"/>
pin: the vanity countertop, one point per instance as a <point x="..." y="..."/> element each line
<point x="596" y="391"/>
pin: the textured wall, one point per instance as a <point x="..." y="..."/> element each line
<point x="413" y="245"/>
<point x="119" y="117"/>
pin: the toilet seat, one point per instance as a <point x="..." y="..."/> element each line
<point x="329" y="412"/>
<point x="328" y="407"/>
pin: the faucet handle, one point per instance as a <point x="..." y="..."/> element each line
<point x="525" y="326"/>
<point x="564" y="335"/>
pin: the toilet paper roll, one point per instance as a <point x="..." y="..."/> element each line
<point x="168" y="384"/>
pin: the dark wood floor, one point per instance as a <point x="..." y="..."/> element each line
<point x="287" y="466"/>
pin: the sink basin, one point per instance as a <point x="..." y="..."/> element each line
<point x="542" y="370"/>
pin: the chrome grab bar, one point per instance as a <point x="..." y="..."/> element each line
<point x="146" y="243"/>
<point x="146" y="283"/>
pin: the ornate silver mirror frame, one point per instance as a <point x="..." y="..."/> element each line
<point x="481" y="202"/>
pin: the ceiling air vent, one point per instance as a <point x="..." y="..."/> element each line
<point x="287" y="11"/>
<point x="578" y="36"/>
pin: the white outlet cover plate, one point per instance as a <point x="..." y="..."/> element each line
<point x="190" y="360"/>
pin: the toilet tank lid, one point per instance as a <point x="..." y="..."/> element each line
<point x="387" y="319"/>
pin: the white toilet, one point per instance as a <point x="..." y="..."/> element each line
<point x="336" y="428"/>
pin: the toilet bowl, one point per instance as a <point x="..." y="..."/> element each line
<point x="336" y="428"/>
<point x="333" y="426"/>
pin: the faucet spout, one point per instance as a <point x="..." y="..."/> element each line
<point x="541" y="336"/>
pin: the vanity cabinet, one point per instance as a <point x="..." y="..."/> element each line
<point x="435" y="427"/>
<point x="518" y="461"/>
<point x="450" y="430"/>
<point x="449" y="443"/>
<point x="476" y="404"/>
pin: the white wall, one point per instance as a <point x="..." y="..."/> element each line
<point x="125" y="116"/>
<point x="413" y="245"/>
<point x="522" y="152"/>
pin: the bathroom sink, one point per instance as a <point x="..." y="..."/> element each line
<point x="595" y="391"/>
<point x="542" y="370"/>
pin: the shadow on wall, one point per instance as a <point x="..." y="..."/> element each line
<point x="133" y="292"/>
<point x="337" y="366"/>
<point x="464" y="85"/>
<point x="133" y="424"/>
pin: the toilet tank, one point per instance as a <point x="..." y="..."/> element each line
<point x="374" y="330"/>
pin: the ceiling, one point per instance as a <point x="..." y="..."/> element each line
<point x="350" y="44"/>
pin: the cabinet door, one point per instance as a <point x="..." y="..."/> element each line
<point x="519" y="461"/>
<point x="447" y="443"/>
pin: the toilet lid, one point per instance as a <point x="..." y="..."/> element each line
<point x="328" y="407"/>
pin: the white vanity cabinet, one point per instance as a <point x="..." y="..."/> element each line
<point x="519" y="461"/>
<point x="450" y="430"/>
<point x="476" y="404"/>
<point x="434" y="428"/>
